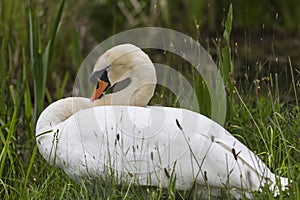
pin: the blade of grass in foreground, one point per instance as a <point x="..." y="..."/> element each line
<point x="40" y="61"/>
<point x="293" y="83"/>
<point x="2" y="74"/>
<point x="30" y="166"/>
<point x="5" y="150"/>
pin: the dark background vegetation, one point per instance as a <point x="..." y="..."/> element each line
<point x="264" y="33"/>
<point x="264" y="43"/>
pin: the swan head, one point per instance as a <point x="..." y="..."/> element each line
<point x="129" y="71"/>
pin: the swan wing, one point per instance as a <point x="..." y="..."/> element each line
<point x="151" y="145"/>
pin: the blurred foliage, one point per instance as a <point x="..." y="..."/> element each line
<point x="260" y="119"/>
<point x="88" y="22"/>
<point x="115" y="15"/>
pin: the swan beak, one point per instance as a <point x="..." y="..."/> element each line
<point x="99" y="89"/>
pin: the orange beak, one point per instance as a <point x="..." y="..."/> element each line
<point x="99" y="89"/>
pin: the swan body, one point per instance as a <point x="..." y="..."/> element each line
<point x="146" y="145"/>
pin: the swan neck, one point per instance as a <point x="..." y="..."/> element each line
<point x="59" y="111"/>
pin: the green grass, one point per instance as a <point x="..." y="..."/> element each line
<point x="265" y="121"/>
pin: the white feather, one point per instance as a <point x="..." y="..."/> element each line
<point x="148" y="145"/>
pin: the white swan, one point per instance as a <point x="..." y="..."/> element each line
<point x="147" y="145"/>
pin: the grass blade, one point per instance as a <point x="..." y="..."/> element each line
<point x="40" y="61"/>
<point x="30" y="166"/>
<point x="293" y="82"/>
<point x="7" y="142"/>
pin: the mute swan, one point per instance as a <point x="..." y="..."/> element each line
<point x="147" y="145"/>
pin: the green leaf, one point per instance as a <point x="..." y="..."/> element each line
<point x="61" y="86"/>
<point x="40" y="60"/>
<point x="6" y="149"/>
<point x="203" y="95"/>
<point x="2" y="74"/>
<point x="228" y="25"/>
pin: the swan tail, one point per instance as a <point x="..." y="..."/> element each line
<point x="282" y="184"/>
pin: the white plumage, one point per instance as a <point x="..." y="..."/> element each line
<point x="147" y="145"/>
